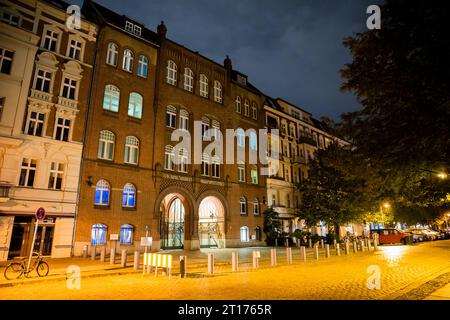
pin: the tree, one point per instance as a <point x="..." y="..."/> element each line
<point x="399" y="74"/>
<point x="332" y="194"/>
<point x="272" y="225"/>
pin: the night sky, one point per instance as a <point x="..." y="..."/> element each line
<point x="288" y="48"/>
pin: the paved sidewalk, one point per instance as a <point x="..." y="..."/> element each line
<point x="440" y="294"/>
<point x="196" y="263"/>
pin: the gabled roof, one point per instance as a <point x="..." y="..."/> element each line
<point x="101" y="14"/>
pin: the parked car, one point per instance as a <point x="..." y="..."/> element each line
<point x="434" y="235"/>
<point x="392" y="235"/>
<point x="417" y="235"/>
<point x="426" y="233"/>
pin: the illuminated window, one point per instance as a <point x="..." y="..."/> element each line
<point x="111" y="98"/>
<point x="244" y="234"/>
<point x="243" y="205"/>
<point x="98" y="234"/>
<point x="168" y="158"/>
<point x="171" y="116"/>
<point x="217" y="91"/>
<point x="183" y="161"/>
<point x="188" y="80"/>
<point x="106" y="145"/>
<point x="131" y="150"/>
<point x="127" y="61"/>
<point x="240" y="133"/>
<point x="129" y="196"/>
<point x="171" y="76"/>
<point x="142" y="66"/>
<point x="254" y="175"/>
<point x="241" y="173"/>
<point x="126" y="234"/>
<point x="102" y="191"/>
<point x="203" y="86"/>
<point x="238" y="104"/>
<point x="135" y="105"/>
<point x="184" y="120"/>
<point x="112" y="54"/>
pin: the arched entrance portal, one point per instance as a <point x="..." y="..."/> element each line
<point x="172" y="222"/>
<point x="211" y="227"/>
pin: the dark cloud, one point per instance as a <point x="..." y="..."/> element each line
<point x="289" y="49"/>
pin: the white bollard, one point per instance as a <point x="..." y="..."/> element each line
<point x="355" y="246"/>
<point x="310" y="243"/>
<point x="347" y="247"/>
<point x="256" y="256"/>
<point x="85" y="251"/>
<point x="316" y="252"/>
<point x="289" y="255"/>
<point x="369" y="245"/>
<point x="93" y="252"/>
<point x="210" y="263"/>
<point x="273" y="257"/>
<point x="183" y="266"/>
<point x="327" y="250"/>
<point x="123" y="258"/>
<point x="112" y="256"/>
<point x="303" y="253"/>
<point x="334" y="243"/>
<point x="362" y="245"/>
<point x="137" y="256"/>
<point x="234" y="261"/>
<point x="338" y="249"/>
<point x="321" y="243"/>
<point x="102" y="254"/>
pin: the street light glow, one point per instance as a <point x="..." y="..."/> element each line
<point x="442" y="175"/>
<point x="386" y="205"/>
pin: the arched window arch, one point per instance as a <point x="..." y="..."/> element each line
<point x="243" y="205"/>
<point x="98" y="234"/>
<point x="253" y="140"/>
<point x="129" y="196"/>
<point x="126" y="234"/>
<point x="203" y="86"/>
<point x="112" y="54"/>
<point x="106" y="145"/>
<point x="171" y="76"/>
<point x="238" y="104"/>
<point x="217" y="91"/>
<point x="256" y="207"/>
<point x="205" y="126"/>
<point x="244" y="234"/>
<point x="246" y="108"/>
<point x="111" y="98"/>
<point x="135" y="105"/>
<point x="127" y="60"/>
<point x="102" y="193"/>
<point x="188" y="80"/>
<point x="184" y="120"/>
<point x="142" y="66"/>
<point x="254" y="111"/>
<point x="171" y="116"/>
<point x="240" y="134"/>
<point x="131" y="150"/>
<point x="169" y="156"/>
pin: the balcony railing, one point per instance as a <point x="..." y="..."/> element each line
<point x="67" y="102"/>
<point x="4" y="192"/>
<point x="300" y="159"/>
<point x="304" y="138"/>
<point x="40" y="95"/>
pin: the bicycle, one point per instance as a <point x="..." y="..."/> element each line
<point x="15" y="270"/>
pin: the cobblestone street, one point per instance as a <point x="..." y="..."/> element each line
<point x="403" y="269"/>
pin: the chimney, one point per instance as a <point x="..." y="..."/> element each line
<point x="227" y="63"/>
<point x="162" y="30"/>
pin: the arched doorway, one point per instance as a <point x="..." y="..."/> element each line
<point x="211" y="226"/>
<point x="172" y="222"/>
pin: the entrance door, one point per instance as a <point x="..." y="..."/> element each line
<point x="21" y="230"/>
<point x="44" y="240"/>
<point x="211" y="223"/>
<point x="172" y="226"/>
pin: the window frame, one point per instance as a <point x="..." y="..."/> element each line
<point x="127" y="60"/>
<point x="143" y="64"/>
<point x="188" y="83"/>
<point x="106" y="144"/>
<point x="112" y="53"/>
<point x="131" y="148"/>
<point x="203" y="86"/>
<point x="171" y="72"/>
<point x="102" y="186"/>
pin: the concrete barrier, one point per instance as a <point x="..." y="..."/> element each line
<point x="289" y="255"/>
<point x="234" y="261"/>
<point x="303" y="253"/>
<point x="123" y="258"/>
<point x="273" y="257"/>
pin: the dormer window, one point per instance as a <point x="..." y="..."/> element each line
<point x="242" y="80"/>
<point x="133" y="28"/>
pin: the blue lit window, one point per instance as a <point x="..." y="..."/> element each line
<point x="126" y="234"/>
<point x="102" y="191"/>
<point x="142" y="66"/>
<point x="129" y="196"/>
<point x="98" y="234"/>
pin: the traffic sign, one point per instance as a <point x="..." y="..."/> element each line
<point x="40" y="214"/>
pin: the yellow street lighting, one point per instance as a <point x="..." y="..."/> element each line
<point x="442" y="175"/>
<point x="386" y="205"/>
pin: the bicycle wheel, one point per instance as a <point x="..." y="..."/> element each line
<point x="13" y="271"/>
<point x="42" y="269"/>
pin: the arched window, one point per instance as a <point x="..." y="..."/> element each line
<point x="126" y="234"/>
<point x="171" y="116"/>
<point x="216" y="130"/>
<point x="135" y="105"/>
<point x="240" y="134"/>
<point x="203" y="86"/>
<point x="204" y="167"/>
<point x="256" y="207"/>
<point x="106" y="145"/>
<point x="183" y="161"/>
<point x="246" y="108"/>
<point x="112" y="54"/>
<point x="205" y="126"/>
<point x="238" y="104"/>
<point x="184" y="120"/>
<point x="142" y="66"/>
<point x="217" y="91"/>
<point x="188" y="80"/>
<point x="254" y="174"/>
<point x="131" y="150"/>
<point x="171" y="76"/>
<point x="98" y="234"/>
<point x="254" y="111"/>
<point x="243" y="205"/>
<point x="244" y="234"/>
<point x="127" y="61"/>
<point x="102" y="191"/>
<point x="253" y="140"/>
<point x="258" y="234"/>
<point x="111" y="98"/>
<point x="129" y="196"/>
<point x="168" y="158"/>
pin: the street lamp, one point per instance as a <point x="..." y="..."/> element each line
<point x="442" y="175"/>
